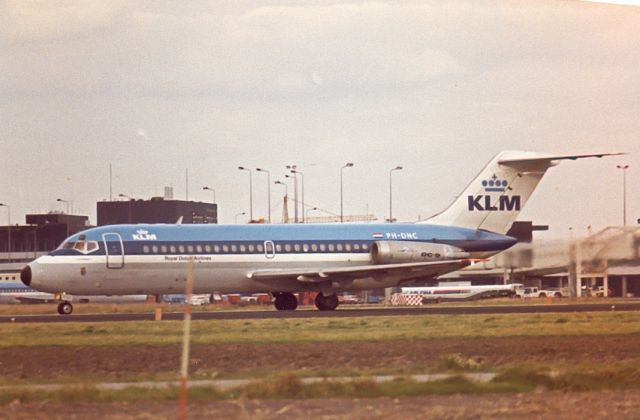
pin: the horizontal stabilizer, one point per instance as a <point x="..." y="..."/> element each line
<point x="550" y="159"/>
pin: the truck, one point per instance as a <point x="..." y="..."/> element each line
<point x="535" y="292"/>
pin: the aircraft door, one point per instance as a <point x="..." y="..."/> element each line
<point x="114" y="250"/>
<point x="269" y="249"/>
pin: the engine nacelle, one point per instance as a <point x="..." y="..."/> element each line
<point x="390" y="252"/>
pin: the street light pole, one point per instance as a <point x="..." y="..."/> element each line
<point x="308" y="210"/>
<point x="128" y="205"/>
<point x="268" y="190"/>
<point x="296" y="172"/>
<point x="240" y="214"/>
<point x="397" y="168"/>
<point x="242" y="168"/>
<point x="624" y="192"/>
<point x="213" y="191"/>
<point x="8" y="229"/>
<point x="295" y="195"/>
<point x="60" y="200"/>
<point x="348" y="165"/>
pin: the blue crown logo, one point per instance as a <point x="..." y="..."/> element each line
<point x="495" y="184"/>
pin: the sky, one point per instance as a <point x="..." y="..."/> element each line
<point x="154" y="88"/>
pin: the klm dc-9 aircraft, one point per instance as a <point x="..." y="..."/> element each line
<point x="284" y="259"/>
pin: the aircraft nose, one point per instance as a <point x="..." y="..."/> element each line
<point x="25" y="275"/>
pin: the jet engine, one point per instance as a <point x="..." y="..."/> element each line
<point x="390" y="252"/>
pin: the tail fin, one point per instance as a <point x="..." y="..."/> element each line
<point x="495" y="197"/>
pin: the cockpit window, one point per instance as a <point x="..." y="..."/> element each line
<point x="82" y="246"/>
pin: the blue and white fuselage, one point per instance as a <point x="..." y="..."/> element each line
<point x="152" y="259"/>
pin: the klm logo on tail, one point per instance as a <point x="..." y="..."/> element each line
<point x="488" y="203"/>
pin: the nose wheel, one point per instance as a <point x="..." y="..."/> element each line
<point x="65" y="308"/>
<point x="285" y="301"/>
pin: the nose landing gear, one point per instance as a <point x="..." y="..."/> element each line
<point x="65" y="308"/>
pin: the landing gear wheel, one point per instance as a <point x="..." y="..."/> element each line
<point x="286" y="301"/>
<point x="65" y="308"/>
<point x="326" y="303"/>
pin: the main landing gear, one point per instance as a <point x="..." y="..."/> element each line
<point x="285" y="301"/>
<point x="326" y="303"/>
<point x="65" y="308"/>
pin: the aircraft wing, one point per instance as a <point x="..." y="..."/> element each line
<point x="408" y="270"/>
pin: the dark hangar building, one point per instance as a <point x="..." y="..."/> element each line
<point x="156" y="210"/>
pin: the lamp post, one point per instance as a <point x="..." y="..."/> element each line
<point x="240" y="214"/>
<point x="242" y="168"/>
<point x="129" y="204"/>
<point x="286" y="187"/>
<point x="308" y="210"/>
<point x="624" y="192"/>
<point x="295" y="172"/>
<point x="60" y="200"/>
<point x="213" y="191"/>
<point x="8" y="229"/>
<point x="295" y="195"/>
<point x="268" y="190"/>
<point x="348" y="165"/>
<point x="397" y="168"/>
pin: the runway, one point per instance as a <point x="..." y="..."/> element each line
<point x="340" y="313"/>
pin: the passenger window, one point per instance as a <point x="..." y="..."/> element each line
<point x="207" y="249"/>
<point x="305" y="247"/>
<point x="154" y="248"/>
<point x="323" y="247"/>
<point x="216" y="249"/>
<point x="181" y="249"/>
<point x="190" y="249"/>
<point x="356" y="247"/>
<point x="163" y="248"/>
<point x="314" y="247"/>
<point x="199" y="249"/>
<point x="365" y="247"/>
<point x="243" y="248"/>
<point x="225" y="248"/>
<point x="173" y="249"/>
<point x="260" y="248"/>
<point x="234" y="248"/>
<point x="252" y="248"/>
<point x="287" y="247"/>
<point x="339" y="247"/>
<point x="331" y="247"/>
<point x="296" y="247"/>
<point x="278" y="248"/>
<point x="347" y="247"/>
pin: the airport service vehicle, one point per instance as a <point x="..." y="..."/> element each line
<point x="444" y="293"/>
<point x="535" y="292"/>
<point x="285" y="259"/>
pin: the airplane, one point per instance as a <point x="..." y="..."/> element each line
<point x="285" y="259"/>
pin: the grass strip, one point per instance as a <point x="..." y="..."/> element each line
<point x="515" y="380"/>
<point x="310" y="330"/>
